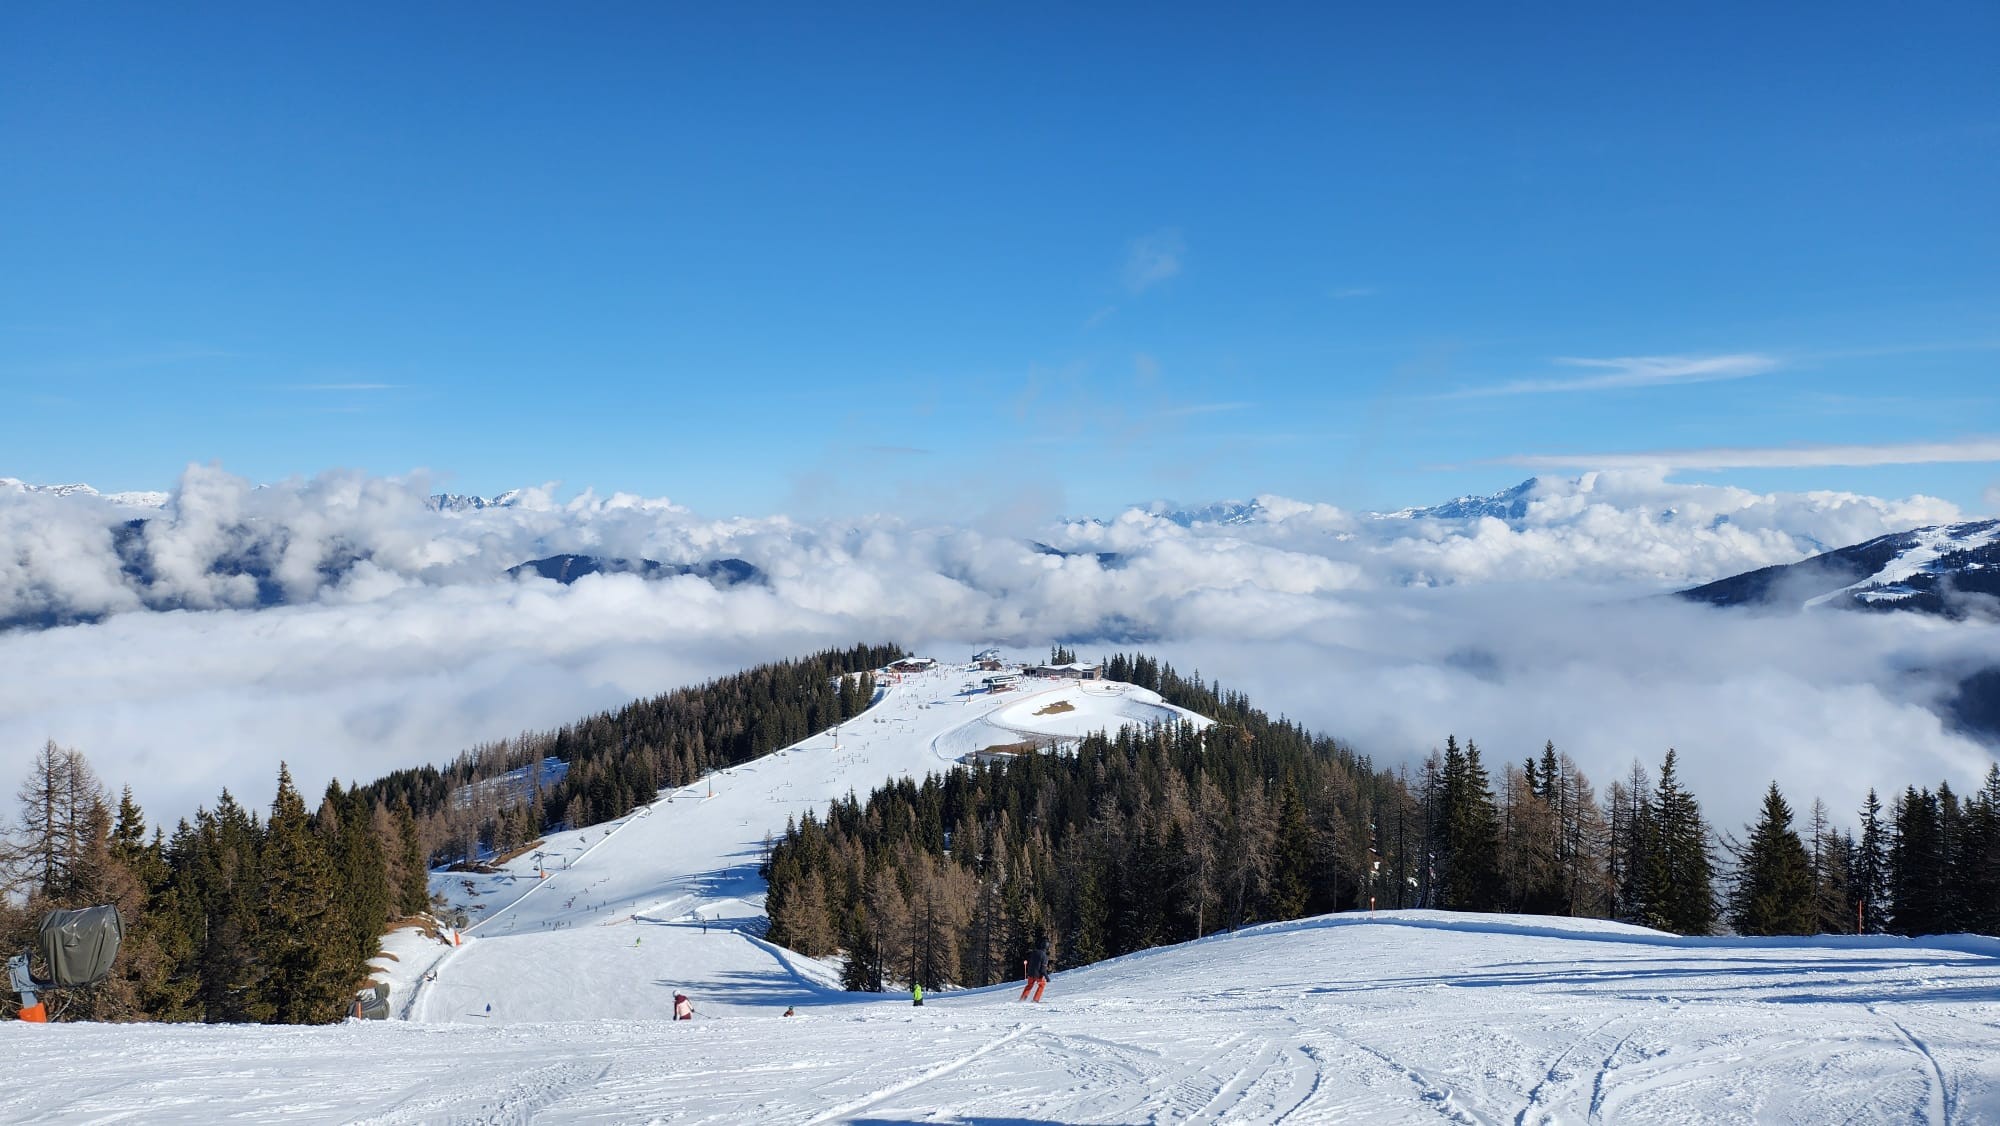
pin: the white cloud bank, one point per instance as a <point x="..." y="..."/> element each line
<point x="404" y="642"/>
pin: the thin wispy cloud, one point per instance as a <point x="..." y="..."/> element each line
<point x="1771" y="457"/>
<point x="1153" y="259"/>
<point x="97" y="365"/>
<point x="1634" y="371"/>
<point x="1194" y="409"/>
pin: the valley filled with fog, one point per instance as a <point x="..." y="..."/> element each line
<point x="352" y="625"/>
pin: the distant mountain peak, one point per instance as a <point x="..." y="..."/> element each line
<point x="1507" y="504"/>
<point x="460" y="502"/>
<point x="1926" y="570"/>
<point x="1221" y="512"/>
<point x="127" y="500"/>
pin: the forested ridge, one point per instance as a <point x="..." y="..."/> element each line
<point x="1152" y="836"/>
<point x="619" y="759"/>
<point x="1139" y="838"/>
<point x="239" y="916"/>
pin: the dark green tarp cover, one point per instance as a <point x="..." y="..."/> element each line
<point x="78" y="946"/>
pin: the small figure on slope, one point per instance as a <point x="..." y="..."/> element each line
<point x="1036" y="970"/>
<point x="917" y="993"/>
<point x="683" y="1008"/>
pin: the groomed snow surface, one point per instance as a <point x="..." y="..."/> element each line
<point x="1404" y="1016"/>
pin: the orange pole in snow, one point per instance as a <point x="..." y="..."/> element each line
<point x="37" y="1013"/>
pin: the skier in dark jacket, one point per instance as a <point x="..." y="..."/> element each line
<point x="1036" y="970"/>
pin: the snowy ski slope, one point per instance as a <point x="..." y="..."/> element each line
<point x="1401" y="1017"/>
<point x="669" y="898"/>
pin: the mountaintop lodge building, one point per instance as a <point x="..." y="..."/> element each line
<point x="1078" y="671"/>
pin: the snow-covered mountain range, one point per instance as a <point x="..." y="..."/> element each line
<point x="458" y="502"/>
<point x="127" y="500"/>
<point x="218" y="542"/>
<point x="1508" y="504"/>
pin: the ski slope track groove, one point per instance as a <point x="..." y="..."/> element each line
<point x="555" y="1008"/>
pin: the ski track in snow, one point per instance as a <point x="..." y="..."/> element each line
<point x="1403" y="1017"/>
<point x="1938" y="1098"/>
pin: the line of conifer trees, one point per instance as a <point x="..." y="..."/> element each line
<point x="237" y="917"/>
<point x="1137" y="839"/>
<point x="619" y="759"/>
<point x="231" y="918"/>
<point x="1159" y="835"/>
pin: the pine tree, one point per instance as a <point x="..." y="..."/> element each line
<point x="1471" y="832"/>
<point x="1774" y="889"/>
<point x="1679" y="874"/>
<point x="1951" y="904"/>
<point x="1979" y="861"/>
<point x="175" y="912"/>
<point x="1832" y="862"/>
<point x="1917" y="865"/>
<point x="413" y="891"/>
<point x="1291" y="875"/>
<point x="1870" y="879"/>
<point x="132" y="871"/>
<point x="219" y="862"/>
<point x="300" y="937"/>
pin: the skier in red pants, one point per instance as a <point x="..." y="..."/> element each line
<point x="1036" y="969"/>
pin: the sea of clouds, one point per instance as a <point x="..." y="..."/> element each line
<point x="401" y="639"/>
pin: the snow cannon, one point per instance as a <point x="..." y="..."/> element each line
<point x="371" y="1003"/>
<point x="78" y="948"/>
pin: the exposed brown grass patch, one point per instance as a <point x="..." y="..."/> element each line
<point x="1057" y="708"/>
<point x="519" y="852"/>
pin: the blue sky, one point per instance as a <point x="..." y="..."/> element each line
<point x="828" y="261"/>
